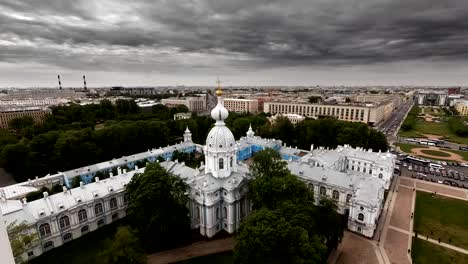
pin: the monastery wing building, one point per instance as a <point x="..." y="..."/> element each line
<point x="355" y="178"/>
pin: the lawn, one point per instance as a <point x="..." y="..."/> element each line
<point x="445" y="217"/>
<point x="218" y="258"/>
<point x="435" y="128"/>
<point x="85" y="249"/>
<point x="410" y="134"/>
<point x="405" y="147"/>
<point x="435" y="153"/>
<point x="424" y="252"/>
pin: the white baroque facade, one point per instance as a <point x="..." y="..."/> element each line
<point x="355" y="178"/>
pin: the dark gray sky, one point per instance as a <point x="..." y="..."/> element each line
<point x="256" y="42"/>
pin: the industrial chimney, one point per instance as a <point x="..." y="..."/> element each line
<point x="60" y="82"/>
<point x="84" y="82"/>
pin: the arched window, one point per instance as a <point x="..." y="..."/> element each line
<point x="225" y="212"/>
<point x="221" y="164"/>
<point x="100" y="222"/>
<point x="84" y="229"/>
<point x="67" y="237"/>
<point x="48" y="245"/>
<point x="98" y="209"/>
<point x="82" y="215"/>
<point x="113" y="203"/>
<point x="380" y="175"/>
<point x="360" y="217"/>
<point x="44" y="230"/>
<point x="348" y="198"/>
<point x="230" y="164"/>
<point x="115" y="216"/>
<point x="336" y="195"/>
<point x="217" y="213"/>
<point x="64" y="222"/>
<point x="323" y="190"/>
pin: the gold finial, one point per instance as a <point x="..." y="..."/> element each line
<point x="219" y="92"/>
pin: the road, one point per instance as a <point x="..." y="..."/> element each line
<point x="391" y="126"/>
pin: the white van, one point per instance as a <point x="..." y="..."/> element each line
<point x="435" y="166"/>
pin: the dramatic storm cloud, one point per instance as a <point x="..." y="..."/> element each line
<point x="245" y="42"/>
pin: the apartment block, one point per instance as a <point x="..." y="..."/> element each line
<point x="239" y="105"/>
<point x="38" y="114"/>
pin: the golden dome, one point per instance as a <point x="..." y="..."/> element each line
<point x="219" y="92"/>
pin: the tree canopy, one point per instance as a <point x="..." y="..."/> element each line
<point x="21" y="238"/>
<point x="157" y="207"/>
<point x="123" y="248"/>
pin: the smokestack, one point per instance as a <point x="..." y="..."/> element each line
<point x="84" y="82"/>
<point x="60" y="82"/>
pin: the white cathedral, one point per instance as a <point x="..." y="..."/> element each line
<point x="355" y="178"/>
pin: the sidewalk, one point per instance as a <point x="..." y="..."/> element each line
<point x="195" y="250"/>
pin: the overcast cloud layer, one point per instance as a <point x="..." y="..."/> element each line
<point x="258" y="42"/>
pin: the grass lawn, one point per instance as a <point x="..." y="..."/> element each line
<point x="462" y="153"/>
<point x="424" y="252"/>
<point x="408" y="147"/>
<point x="218" y="258"/>
<point x="85" y="249"/>
<point x="435" y="153"/>
<point x="405" y="147"/>
<point x="410" y="134"/>
<point x="435" y="128"/>
<point x="445" y="217"/>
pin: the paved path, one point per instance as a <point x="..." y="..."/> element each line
<point x="357" y="249"/>
<point x="195" y="250"/>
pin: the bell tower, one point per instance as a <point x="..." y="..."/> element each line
<point x="220" y="148"/>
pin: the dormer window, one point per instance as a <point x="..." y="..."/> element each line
<point x="61" y="206"/>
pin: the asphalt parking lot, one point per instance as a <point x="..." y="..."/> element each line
<point x="456" y="176"/>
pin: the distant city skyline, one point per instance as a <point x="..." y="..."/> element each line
<point x="255" y="42"/>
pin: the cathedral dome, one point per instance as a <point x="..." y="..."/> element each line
<point x="219" y="113"/>
<point x="220" y="139"/>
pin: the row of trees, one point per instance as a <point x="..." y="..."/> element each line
<point x="285" y="226"/>
<point x="411" y="119"/>
<point x="457" y="126"/>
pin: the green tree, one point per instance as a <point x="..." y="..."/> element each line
<point x="285" y="225"/>
<point x="315" y="99"/>
<point x="161" y="111"/>
<point x="124" y="248"/>
<point x="21" y="238"/>
<point x="266" y="236"/>
<point x="19" y="123"/>
<point x="157" y="207"/>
